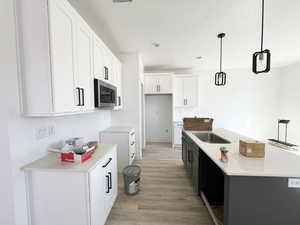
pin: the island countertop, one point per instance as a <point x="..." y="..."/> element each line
<point x="277" y="162"/>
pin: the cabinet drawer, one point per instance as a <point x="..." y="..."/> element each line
<point x="131" y="137"/>
<point x="132" y="148"/>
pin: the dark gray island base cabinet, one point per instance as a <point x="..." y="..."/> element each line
<point x="247" y="200"/>
<point x="260" y="201"/>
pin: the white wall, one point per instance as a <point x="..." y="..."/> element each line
<point x="290" y="100"/>
<point x="158" y="118"/>
<point x="20" y="145"/>
<point x="131" y="115"/>
<point x="6" y="58"/>
<point x="248" y="104"/>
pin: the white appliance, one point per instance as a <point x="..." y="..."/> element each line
<point x="124" y="137"/>
<point x="177" y="133"/>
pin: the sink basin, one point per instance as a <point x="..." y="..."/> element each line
<point x="211" y="138"/>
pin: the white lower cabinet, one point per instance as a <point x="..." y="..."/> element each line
<point x="124" y="137"/>
<point x="64" y="194"/>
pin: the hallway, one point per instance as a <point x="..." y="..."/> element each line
<point x="166" y="196"/>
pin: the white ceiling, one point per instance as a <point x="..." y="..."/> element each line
<point x="188" y="28"/>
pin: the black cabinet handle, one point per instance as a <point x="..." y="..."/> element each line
<point x="106" y="164"/>
<point x="79" y="96"/>
<point x="110" y="181"/>
<point x="132" y="143"/>
<point x="107" y="182"/>
<point x="82" y="90"/>
<point x="105" y="72"/>
<point x="119" y="100"/>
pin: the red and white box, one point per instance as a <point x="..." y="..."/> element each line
<point x="76" y="158"/>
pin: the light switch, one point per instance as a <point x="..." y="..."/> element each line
<point x="41" y="133"/>
<point x="294" y="183"/>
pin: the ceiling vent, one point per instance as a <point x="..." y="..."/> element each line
<point x="120" y="1"/>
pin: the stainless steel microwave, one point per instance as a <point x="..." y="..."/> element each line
<point x="105" y="94"/>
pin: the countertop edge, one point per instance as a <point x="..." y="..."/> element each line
<point x="84" y="167"/>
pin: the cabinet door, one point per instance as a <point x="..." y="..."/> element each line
<point x="84" y="65"/>
<point x="184" y="151"/>
<point x="165" y="84"/>
<point x="62" y="56"/>
<point x="98" y="59"/>
<point x="97" y="181"/>
<point x="118" y="83"/>
<point x="178" y="92"/>
<point x="111" y="181"/>
<point x="189" y="158"/>
<point x="195" y="169"/>
<point x="151" y="84"/>
<point x="120" y="88"/>
<point x="107" y="66"/>
<point x="190" y="87"/>
<point x="177" y="134"/>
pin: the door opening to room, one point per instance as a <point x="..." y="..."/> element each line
<point x="158" y="113"/>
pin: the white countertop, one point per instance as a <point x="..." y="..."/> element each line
<point x="52" y="162"/>
<point x="118" y="130"/>
<point x="277" y="162"/>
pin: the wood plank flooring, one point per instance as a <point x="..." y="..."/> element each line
<point x="166" y="196"/>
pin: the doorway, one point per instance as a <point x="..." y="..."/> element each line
<point x="158" y="118"/>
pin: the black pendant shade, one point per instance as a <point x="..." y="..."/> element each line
<point x="220" y="77"/>
<point x="261" y="61"/>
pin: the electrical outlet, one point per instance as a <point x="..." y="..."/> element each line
<point x="294" y="183"/>
<point x="41" y="133"/>
<point x="51" y="131"/>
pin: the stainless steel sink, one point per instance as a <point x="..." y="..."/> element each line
<point x="211" y="138"/>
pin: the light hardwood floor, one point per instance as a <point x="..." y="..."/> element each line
<point x="166" y="196"/>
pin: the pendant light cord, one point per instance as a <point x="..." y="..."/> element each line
<point x="262" y="25"/>
<point x="221" y="48"/>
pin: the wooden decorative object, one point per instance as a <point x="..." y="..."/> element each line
<point x="198" y="124"/>
<point x="92" y="144"/>
<point x="224" y="157"/>
<point x="252" y="148"/>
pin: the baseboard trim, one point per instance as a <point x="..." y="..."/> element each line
<point x="160" y="140"/>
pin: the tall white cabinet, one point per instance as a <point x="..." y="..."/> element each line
<point x="186" y="91"/>
<point x="66" y="193"/>
<point x="60" y="55"/>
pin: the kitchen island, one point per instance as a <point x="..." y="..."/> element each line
<point x="251" y="191"/>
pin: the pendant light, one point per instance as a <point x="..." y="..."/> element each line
<point x="262" y="60"/>
<point x="220" y="77"/>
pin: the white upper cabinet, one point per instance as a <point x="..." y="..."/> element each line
<point x="118" y="82"/>
<point x="60" y="56"/>
<point x="98" y="58"/>
<point x="185" y="91"/>
<point x="83" y="65"/>
<point x="108" y="66"/>
<point x="158" y="84"/>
